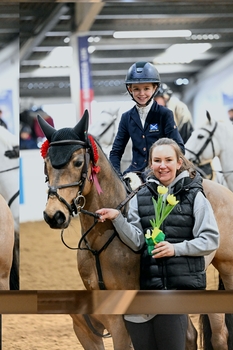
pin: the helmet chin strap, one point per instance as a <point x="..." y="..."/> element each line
<point x="140" y="105"/>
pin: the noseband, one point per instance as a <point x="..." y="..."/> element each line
<point x="79" y="201"/>
<point x="197" y="161"/>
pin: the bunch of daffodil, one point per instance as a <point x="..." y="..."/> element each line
<point x="162" y="208"/>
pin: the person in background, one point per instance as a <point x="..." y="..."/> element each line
<point x="230" y="114"/>
<point x="2" y="123"/>
<point x="26" y="140"/>
<point x="177" y="262"/>
<point x="146" y="122"/>
<point x="182" y="114"/>
<point x="183" y="119"/>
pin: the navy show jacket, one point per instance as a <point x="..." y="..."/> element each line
<point x="159" y="123"/>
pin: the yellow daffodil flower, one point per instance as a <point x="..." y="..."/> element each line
<point x="162" y="190"/>
<point x="163" y="206"/>
<point x="171" y="199"/>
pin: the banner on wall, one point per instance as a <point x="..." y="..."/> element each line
<point x="227" y="99"/>
<point x="6" y="106"/>
<point x="21" y="192"/>
<point x="86" y="87"/>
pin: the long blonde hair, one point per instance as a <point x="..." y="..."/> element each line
<point x="186" y="164"/>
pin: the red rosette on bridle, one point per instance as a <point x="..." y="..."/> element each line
<point x="44" y="148"/>
<point x="95" y="167"/>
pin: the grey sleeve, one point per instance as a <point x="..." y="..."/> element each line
<point x="205" y="231"/>
<point x="130" y="229"/>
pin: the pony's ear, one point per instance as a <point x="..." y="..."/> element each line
<point x="208" y="116"/>
<point x="81" y="129"/>
<point x="47" y="129"/>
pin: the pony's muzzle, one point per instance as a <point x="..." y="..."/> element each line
<point x="57" y="221"/>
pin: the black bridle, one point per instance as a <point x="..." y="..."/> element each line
<point x="197" y="161"/>
<point x="79" y="201"/>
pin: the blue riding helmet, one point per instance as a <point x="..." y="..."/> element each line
<point x="142" y="72"/>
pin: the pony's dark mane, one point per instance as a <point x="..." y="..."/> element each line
<point x="114" y="170"/>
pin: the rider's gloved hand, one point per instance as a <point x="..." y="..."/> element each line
<point x="14" y="153"/>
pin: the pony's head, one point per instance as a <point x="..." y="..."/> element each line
<point x="202" y="146"/>
<point x="70" y="156"/>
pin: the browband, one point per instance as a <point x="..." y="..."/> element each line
<point x="69" y="142"/>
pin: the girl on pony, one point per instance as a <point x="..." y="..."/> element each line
<point x="146" y="122"/>
<point x="177" y="262"/>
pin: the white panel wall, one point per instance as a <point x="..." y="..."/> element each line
<point x="33" y="190"/>
<point x="207" y="92"/>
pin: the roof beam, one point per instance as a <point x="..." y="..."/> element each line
<point x="85" y="15"/>
<point x="48" y="25"/>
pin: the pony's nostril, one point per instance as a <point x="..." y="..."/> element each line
<point x="59" y="218"/>
<point x="57" y="221"/>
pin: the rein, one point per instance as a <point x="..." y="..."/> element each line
<point x="96" y="253"/>
<point x="5" y="170"/>
<point x="92" y="328"/>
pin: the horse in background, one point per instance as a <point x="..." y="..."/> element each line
<point x="213" y="139"/>
<point x="104" y="130"/>
<point x="89" y="181"/>
<point x="9" y="189"/>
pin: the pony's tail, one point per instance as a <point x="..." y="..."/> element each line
<point x="205" y="332"/>
<point x="14" y="273"/>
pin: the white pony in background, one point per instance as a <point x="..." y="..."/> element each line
<point x="9" y="172"/>
<point x="104" y="129"/>
<point x="9" y="189"/>
<point x="213" y="139"/>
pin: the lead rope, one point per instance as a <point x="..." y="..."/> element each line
<point x="96" y="253"/>
<point x="92" y="328"/>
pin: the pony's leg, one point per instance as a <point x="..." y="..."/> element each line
<point x="191" y="336"/>
<point x="120" y="336"/>
<point x="85" y="335"/>
<point x="227" y="280"/>
<point x="219" y="331"/>
<point x="4" y="282"/>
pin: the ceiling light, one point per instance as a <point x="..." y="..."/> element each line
<point x="205" y="37"/>
<point x="152" y="34"/>
<point x="91" y="49"/>
<point x="182" y="53"/>
<point x="182" y="81"/>
<point x="92" y="39"/>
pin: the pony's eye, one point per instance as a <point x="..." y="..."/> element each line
<point x="78" y="163"/>
<point x="200" y="136"/>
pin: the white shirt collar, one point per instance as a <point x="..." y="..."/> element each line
<point x="143" y="111"/>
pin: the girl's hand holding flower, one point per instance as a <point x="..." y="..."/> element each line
<point x="163" y="249"/>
